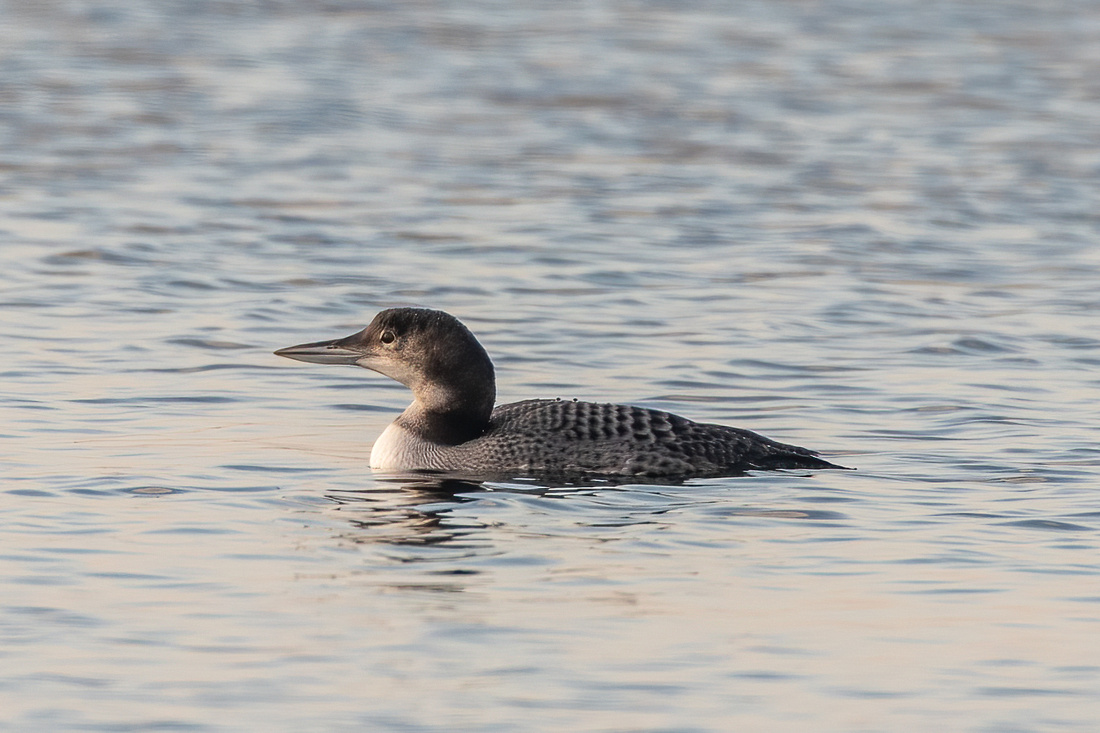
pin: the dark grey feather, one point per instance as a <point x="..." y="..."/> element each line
<point x="563" y="436"/>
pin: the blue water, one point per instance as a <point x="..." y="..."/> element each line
<point x="866" y="228"/>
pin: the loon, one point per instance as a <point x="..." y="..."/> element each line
<point x="452" y="425"/>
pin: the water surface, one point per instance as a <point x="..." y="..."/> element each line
<point x="867" y="228"/>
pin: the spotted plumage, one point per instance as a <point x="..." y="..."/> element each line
<point x="562" y="436"/>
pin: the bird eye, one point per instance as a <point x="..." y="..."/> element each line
<point x="387" y="337"/>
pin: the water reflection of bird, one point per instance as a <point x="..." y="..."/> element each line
<point x="452" y="424"/>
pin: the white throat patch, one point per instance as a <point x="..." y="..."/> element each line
<point x="399" y="450"/>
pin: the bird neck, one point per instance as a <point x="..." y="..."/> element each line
<point x="446" y="423"/>
<point x="453" y="395"/>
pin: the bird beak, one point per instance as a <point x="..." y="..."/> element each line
<point x="337" y="351"/>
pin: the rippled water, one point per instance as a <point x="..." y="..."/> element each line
<point x="867" y="228"/>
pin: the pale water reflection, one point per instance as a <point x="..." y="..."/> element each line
<point x="868" y="228"/>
